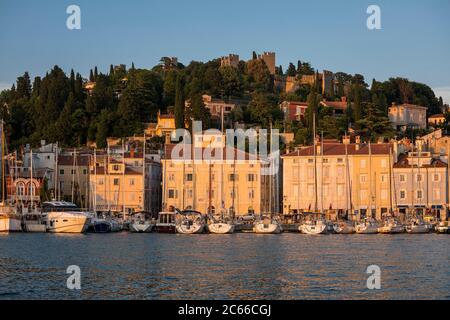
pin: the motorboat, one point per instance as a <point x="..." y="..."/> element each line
<point x="443" y="227"/>
<point x="64" y="217"/>
<point x="344" y="227"/>
<point x="391" y="226"/>
<point x="314" y="224"/>
<point x="267" y="224"/>
<point x="367" y="226"/>
<point x="166" y="222"/>
<point x="190" y="222"/>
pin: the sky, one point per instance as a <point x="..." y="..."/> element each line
<point x="413" y="42"/>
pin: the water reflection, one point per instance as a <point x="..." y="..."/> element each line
<point x="238" y="266"/>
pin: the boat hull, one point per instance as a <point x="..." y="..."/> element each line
<point x="34" y="227"/>
<point x="366" y="229"/>
<point x="165" y="228"/>
<point x="418" y="229"/>
<point x="343" y="228"/>
<point x="140" y="227"/>
<point x="195" y="228"/>
<point x="63" y="223"/>
<point x="391" y="229"/>
<point x="269" y="228"/>
<point x="221" y="228"/>
<point x="313" y="229"/>
<point x="10" y="224"/>
<point x="101" y="227"/>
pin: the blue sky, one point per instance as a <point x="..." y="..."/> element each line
<point x="414" y="41"/>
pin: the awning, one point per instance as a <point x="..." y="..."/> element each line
<point x="437" y="206"/>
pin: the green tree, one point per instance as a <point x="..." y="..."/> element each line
<point x="179" y="103"/>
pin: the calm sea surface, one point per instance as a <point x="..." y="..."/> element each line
<point x="238" y="266"/>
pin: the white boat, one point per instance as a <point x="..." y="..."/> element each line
<point x="267" y="225"/>
<point x="344" y="227"/>
<point x="367" y="226"/>
<point x="220" y="225"/>
<point x="391" y="226"/>
<point x="140" y="223"/>
<point x="418" y="226"/>
<point x="10" y="221"/>
<point x="64" y="217"/>
<point x="314" y="224"/>
<point x="190" y="222"/>
<point x="33" y="222"/>
<point x="443" y="227"/>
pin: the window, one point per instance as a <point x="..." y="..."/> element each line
<point x="326" y="172"/>
<point x="419" y="194"/>
<point x="384" y="178"/>
<point x="100" y="181"/>
<point x="190" y="193"/>
<point x="172" y="193"/>
<point x="20" y="189"/>
<point x="419" y="177"/>
<point x="189" y="177"/>
<point x="251" y="177"/>
<point x="383" y="163"/>
<point x="84" y="171"/>
<point x="340" y="160"/>
<point x="116" y="167"/>
<point x="325" y="160"/>
<point x="436" y="177"/>
<point x="210" y="193"/>
<point x="73" y="171"/>
<point x="310" y="160"/>
<point x="363" y="178"/>
<point x="61" y="171"/>
<point x="340" y="172"/>
<point x="116" y="181"/>
<point x="251" y="193"/>
<point x="402" y="178"/>
<point x="131" y="182"/>
<point x="171" y="177"/>
<point x="32" y="189"/>
<point x="232" y="177"/>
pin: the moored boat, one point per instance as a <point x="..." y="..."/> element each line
<point x="418" y="226"/>
<point x="10" y="220"/>
<point x="344" y="227"/>
<point x="314" y="224"/>
<point x="33" y="222"/>
<point x="166" y="222"/>
<point x="64" y="217"/>
<point x="443" y="227"/>
<point x="367" y="226"/>
<point x="267" y="225"/>
<point x="220" y="225"/>
<point x="141" y="223"/>
<point x="190" y="222"/>
<point x="391" y="226"/>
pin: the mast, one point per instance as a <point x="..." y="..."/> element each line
<point x="56" y="173"/>
<point x="73" y="173"/>
<point x="315" y="162"/>
<point x="108" y="184"/>
<point x="370" y="178"/>
<point x="3" y="162"/>
<point x="321" y="172"/>
<point x="94" y="200"/>
<point x="143" y="174"/>
<point x="347" y="180"/>
<point x="123" y="179"/>
<point x="31" y="178"/>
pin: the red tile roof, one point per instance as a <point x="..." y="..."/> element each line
<point x="238" y="154"/>
<point x="404" y="163"/>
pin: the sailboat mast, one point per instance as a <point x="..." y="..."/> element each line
<point x="143" y="175"/>
<point x="315" y="161"/>
<point x="370" y="178"/>
<point x="321" y="172"/>
<point x="3" y="162"/>
<point x="56" y="173"/>
<point x="123" y="179"/>
<point x="73" y="173"/>
<point x="31" y="178"/>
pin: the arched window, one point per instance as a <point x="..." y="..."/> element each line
<point x="20" y="189"/>
<point x="31" y="189"/>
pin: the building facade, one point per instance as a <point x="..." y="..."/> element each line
<point x="342" y="177"/>
<point x="408" y="115"/>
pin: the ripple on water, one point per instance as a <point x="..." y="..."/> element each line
<point x="238" y="266"/>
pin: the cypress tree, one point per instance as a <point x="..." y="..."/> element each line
<point x="179" y="104"/>
<point x="91" y="76"/>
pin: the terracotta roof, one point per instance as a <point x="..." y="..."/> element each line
<point x="336" y="149"/>
<point x="404" y="163"/>
<point x="335" y="104"/>
<point x="129" y="171"/>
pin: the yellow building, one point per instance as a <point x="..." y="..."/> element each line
<point x="164" y="126"/>
<point x="118" y="183"/>
<point x="213" y="185"/>
<point x="341" y="177"/>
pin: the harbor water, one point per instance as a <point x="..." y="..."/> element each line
<point x="237" y="266"/>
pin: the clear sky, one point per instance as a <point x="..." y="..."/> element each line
<point x="414" y="41"/>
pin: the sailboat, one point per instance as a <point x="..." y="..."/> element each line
<point x="367" y="226"/>
<point x="417" y="225"/>
<point x="391" y="226"/>
<point x="221" y="224"/>
<point x="190" y="222"/>
<point x="267" y="224"/>
<point x="10" y="220"/>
